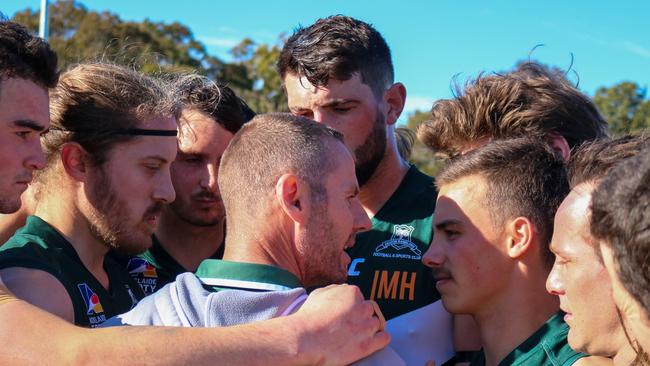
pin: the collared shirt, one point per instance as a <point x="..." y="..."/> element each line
<point x="222" y="293"/>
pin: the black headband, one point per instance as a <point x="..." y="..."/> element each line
<point x="121" y="131"/>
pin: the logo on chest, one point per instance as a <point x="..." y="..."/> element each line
<point x="94" y="308"/>
<point x="399" y="245"/>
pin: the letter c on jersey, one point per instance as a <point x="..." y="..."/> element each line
<point x="352" y="270"/>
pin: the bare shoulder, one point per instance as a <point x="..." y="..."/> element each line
<point x="39" y="288"/>
<point x="594" y="361"/>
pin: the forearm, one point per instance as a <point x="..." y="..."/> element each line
<point x="39" y="338"/>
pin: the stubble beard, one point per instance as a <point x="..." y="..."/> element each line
<point x="371" y="152"/>
<point x="108" y="220"/>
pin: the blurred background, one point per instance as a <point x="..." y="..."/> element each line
<point x="602" y="47"/>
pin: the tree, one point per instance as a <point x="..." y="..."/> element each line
<point x="77" y="34"/>
<point x="421" y="155"/>
<point x="263" y="92"/>
<point x="624" y="107"/>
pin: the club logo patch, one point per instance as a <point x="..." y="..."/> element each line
<point x="399" y="245"/>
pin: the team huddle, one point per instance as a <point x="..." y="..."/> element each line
<point x="159" y="220"/>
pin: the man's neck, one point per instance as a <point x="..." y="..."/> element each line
<point x="188" y="244"/>
<point x="277" y="250"/>
<point x="512" y="318"/>
<point x="625" y="356"/>
<point x="61" y="212"/>
<point x="384" y="182"/>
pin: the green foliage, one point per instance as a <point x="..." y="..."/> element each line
<point x="624" y="107"/>
<point x="78" y="34"/>
<point x="263" y="86"/>
<point x="421" y="155"/>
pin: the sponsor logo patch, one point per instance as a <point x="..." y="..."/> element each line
<point x="93" y="306"/>
<point x="138" y="266"/>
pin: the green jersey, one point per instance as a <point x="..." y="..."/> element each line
<point x="387" y="260"/>
<point x="547" y="346"/>
<point x="155" y="268"/>
<point x="39" y="246"/>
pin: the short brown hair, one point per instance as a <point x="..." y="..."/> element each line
<point x="337" y="47"/>
<point x="215" y="100"/>
<point x="529" y="102"/>
<point x="592" y="160"/>
<point x="620" y="218"/>
<point x="25" y="56"/>
<point x="267" y="147"/>
<point x="94" y="100"/>
<point x="524" y="178"/>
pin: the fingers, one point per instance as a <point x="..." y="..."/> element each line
<point x="379" y="315"/>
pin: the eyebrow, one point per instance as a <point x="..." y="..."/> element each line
<point x="445" y="223"/>
<point x="28" y="123"/>
<point x="338" y="102"/>
<point x="155" y="157"/>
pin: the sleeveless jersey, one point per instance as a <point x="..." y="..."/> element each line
<point x="387" y="260"/>
<point x="548" y="346"/>
<point x="39" y="246"/>
<point x="155" y="268"/>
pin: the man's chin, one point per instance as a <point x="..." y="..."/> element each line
<point x="9" y="206"/>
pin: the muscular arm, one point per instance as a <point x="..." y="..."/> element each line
<point x="334" y="327"/>
<point x="39" y="288"/>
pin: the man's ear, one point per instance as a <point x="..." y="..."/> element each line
<point x="395" y="97"/>
<point x="75" y="160"/>
<point x="519" y="236"/>
<point x="291" y="193"/>
<point x="560" y="144"/>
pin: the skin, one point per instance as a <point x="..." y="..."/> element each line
<point x="114" y="205"/>
<point x="333" y="224"/>
<point x="304" y="237"/>
<point x="350" y="107"/>
<point x="494" y="273"/>
<point x="21" y="125"/>
<point x="192" y="227"/>
<point x="335" y="326"/>
<point x="580" y="280"/>
<point x="632" y="312"/>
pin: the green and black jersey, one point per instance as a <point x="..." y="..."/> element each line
<point x="155" y="268"/>
<point x="387" y="260"/>
<point x="39" y="246"/>
<point x="548" y="346"/>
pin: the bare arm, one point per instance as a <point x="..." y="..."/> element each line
<point x="334" y="327"/>
<point x="39" y="288"/>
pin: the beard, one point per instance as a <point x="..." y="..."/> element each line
<point x="109" y="219"/>
<point x="323" y="251"/>
<point x="184" y="210"/>
<point x="371" y="152"/>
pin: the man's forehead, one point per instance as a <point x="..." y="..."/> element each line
<point x="299" y="89"/>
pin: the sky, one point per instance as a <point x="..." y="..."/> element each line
<point x="433" y="42"/>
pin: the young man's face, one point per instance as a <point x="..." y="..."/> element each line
<point x="201" y="144"/>
<point x="24" y="115"/>
<point x="580" y="280"/>
<point x="333" y="223"/>
<point x="128" y="191"/>
<point x="465" y="254"/>
<point x="349" y="107"/>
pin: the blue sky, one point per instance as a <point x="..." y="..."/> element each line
<point x="433" y="41"/>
